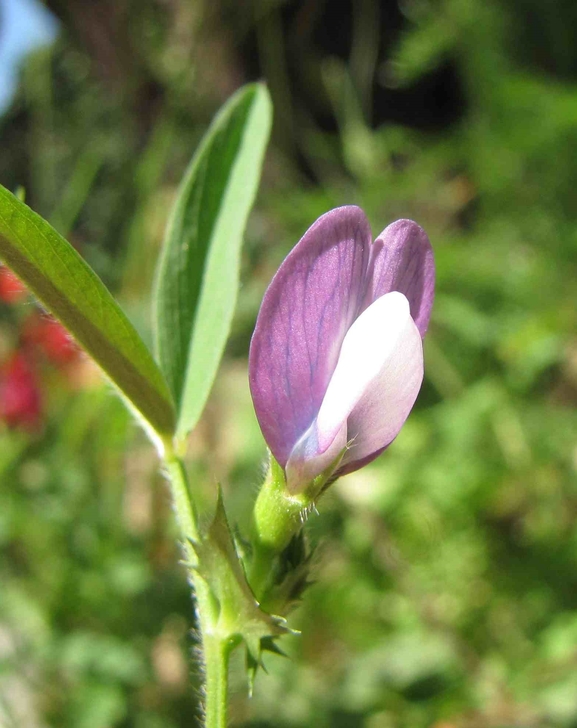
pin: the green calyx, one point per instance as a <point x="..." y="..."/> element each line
<point x="280" y="563"/>
<point x="278" y="513"/>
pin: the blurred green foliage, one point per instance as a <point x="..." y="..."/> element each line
<point x="446" y="577"/>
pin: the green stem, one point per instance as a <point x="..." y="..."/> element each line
<point x="216" y="658"/>
<point x="184" y="508"/>
<point x="216" y="649"/>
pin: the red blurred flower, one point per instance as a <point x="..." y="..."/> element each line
<point x="11" y="288"/>
<point x="20" y="400"/>
<point x="51" y="338"/>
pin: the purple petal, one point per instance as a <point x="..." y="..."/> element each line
<point x="306" y="311"/>
<point x="402" y="260"/>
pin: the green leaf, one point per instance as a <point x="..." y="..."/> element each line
<point x="421" y="49"/>
<point x="197" y="279"/>
<point x="70" y="289"/>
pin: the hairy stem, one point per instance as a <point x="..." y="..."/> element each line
<point x="216" y="658"/>
<point x="216" y="648"/>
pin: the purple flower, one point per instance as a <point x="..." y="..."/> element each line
<point x="336" y="359"/>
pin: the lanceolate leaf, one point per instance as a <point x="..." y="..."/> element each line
<point x="197" y="279"/>
<point x="70" y="289"/>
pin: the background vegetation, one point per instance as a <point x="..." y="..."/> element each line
<point x="446" y="591"/>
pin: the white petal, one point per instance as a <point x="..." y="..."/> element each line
<point x="306" y="461"/>
<point x="378" y="341"/>
<point x="379" y="414"/>
<point x="371" y="392"/>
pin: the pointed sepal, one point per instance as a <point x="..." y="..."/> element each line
<point x="240" y="616"/>
<point x="267" y="644"/>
